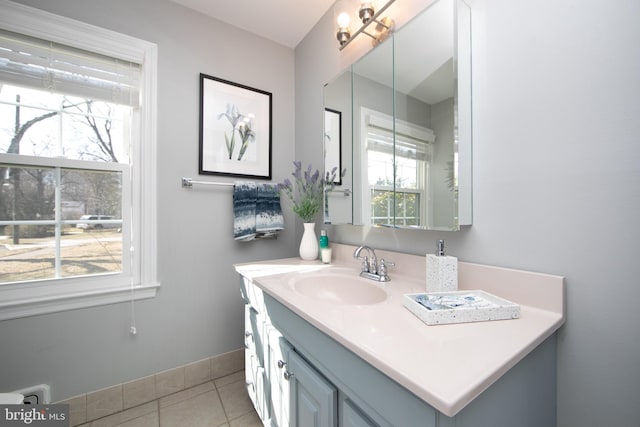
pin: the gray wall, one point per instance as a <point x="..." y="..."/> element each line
<point x="198" y="311"/>
<point x="556" y="108"/>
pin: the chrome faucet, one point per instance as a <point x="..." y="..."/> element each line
<point x="370" y="268"/>
<point x="369" y="264"/>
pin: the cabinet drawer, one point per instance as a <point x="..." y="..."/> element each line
<point x="252" y="295"/>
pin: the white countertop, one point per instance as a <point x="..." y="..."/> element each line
<point x="447" y="366"/>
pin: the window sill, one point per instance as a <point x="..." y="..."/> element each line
<point x="35" y="306"/>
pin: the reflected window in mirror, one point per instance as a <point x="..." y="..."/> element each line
<point x="397" y="160"/>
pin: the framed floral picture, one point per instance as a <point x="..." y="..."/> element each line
<point x="235" y="129"/>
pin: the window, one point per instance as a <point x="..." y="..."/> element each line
<point x="397" y="158"/>
<point x="77" y="164"/>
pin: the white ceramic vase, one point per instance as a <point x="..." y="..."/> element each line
<point x="309" y="243"/>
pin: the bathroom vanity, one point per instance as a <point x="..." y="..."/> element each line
<point x="326" y="348"/>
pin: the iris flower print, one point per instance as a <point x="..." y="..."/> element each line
<point x="233" y="115"/>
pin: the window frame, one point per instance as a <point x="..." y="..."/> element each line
<point x="20" y="299"/>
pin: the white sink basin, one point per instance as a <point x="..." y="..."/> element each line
<point x="338" y="288"/>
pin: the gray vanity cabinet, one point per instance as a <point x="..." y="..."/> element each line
<point x="284" y="388"/>
<point x="366" y="397"/>
<point x="289" y="387"/>
<point x="299" y="376"/>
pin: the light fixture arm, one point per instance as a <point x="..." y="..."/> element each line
<point x="384" y="22"/>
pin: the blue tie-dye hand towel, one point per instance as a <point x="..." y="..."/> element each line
<point x="269" y="219"/>
<point x="245" y="196"/>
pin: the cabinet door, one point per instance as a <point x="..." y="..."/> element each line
<point x="254" y="333"/>
<point x="313" y="399"/>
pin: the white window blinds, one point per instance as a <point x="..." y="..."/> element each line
<point x="40" y="64"/>
<point x="380" y="138"/>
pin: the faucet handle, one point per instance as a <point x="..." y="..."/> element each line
<point x="386" y="262"/>
<point x="382" y="268"/>
<point x="365" y="260"/>
<point x="365" y="263"/>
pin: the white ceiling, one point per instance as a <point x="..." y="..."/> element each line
<point x="284" y="21"/>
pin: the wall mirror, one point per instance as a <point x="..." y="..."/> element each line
<point x="405" y="132"/>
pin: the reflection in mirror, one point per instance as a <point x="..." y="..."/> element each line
<point x="337" y="98"/>
<point x="373" y="155"/>
<point x="424" y="66"/>
<point x="410" y="102"/>
<point x="333" y="143"/>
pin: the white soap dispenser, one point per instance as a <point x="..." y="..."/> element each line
<point x="442" y="271"/>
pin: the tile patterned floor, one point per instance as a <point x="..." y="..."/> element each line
<point x="220" y="403"/>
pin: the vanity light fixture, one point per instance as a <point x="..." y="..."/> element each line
<point x="367" y="14"/>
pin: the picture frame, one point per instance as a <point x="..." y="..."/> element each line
<point x="235" y="129"/>
<point x="333" y="143"/>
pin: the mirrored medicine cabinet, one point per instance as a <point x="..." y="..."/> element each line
<point x="399" y="121"/>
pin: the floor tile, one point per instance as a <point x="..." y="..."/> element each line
<point x="235" y="399"/>
<point x="229" y="379"/>
<point x="149" y="420"/>
<point x="127" y="416"/>
<point x="220" y="403"/>
<point x="187" y="394"/>
<point x="247" y="420"/>
<point x="202" y="410"/>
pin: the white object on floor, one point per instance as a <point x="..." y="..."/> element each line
<point x="11" y="398"/>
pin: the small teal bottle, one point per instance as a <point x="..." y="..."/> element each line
<point x="325" y="250"/>
<point x="324" y="239"/>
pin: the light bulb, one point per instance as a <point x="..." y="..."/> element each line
<point x="343" y="20"/>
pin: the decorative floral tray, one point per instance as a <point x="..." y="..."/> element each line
<point x="440" y="308"/>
